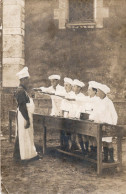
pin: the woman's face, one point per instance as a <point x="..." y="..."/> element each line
<point x="68" y="87"/>
<point x="25" y="81"/>
<point x="91" y="92"/>
<point x="77" y="89"/>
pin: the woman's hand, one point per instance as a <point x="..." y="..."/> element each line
<point x="26" y="124"/>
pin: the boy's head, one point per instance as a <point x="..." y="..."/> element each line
<point x="68" y="82"/>
<point x="92" y="92"/>
<point x="77" y="86"/>
<point x="102" y="90"/>
<point x="100" y="94"/>
<point x="54" y="82"/>
<point x="77" y="89"/>
<point x="54" y="79"/>
<point x="92" y="88"/>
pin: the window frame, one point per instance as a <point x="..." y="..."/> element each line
<point x="77" y="24"/>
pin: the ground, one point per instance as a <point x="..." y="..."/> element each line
<point x="56" y="173"/>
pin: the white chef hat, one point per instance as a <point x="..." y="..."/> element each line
<point x="78" y="83"/>
<point x="93" y="84"/>
<point x="68" y="80"/>
<point x="103" y="87"/>
<point x="54" y="77"/>
<point x="23" y="73"/>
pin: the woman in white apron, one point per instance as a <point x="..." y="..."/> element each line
<point x="24" y="144"/>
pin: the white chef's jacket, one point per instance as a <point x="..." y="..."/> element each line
<point x="88" y="104"/>
<point x="66" y="104"/>
<point x="56" y="101"/>
<point x="75" y="105"/>
<point x="48" y="89"/>
<point x="104" y="112"/>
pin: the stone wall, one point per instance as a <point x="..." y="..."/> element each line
<point x="61" y="13"/>
<point x="0" y="43"/>
<point x="120" y="107"/>
<point x="86" y="54"/>
<point x="13" y="40"/>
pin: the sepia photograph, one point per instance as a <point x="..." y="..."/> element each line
<point x="62" y="96"/>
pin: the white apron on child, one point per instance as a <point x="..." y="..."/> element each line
<point x="26" y="136"/>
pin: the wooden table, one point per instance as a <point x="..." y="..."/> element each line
<point x="80" y="127"/>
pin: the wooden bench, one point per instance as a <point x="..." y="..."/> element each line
<point x="82" y="127"/>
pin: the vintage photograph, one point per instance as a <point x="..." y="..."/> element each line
<point x="63" y="96"/>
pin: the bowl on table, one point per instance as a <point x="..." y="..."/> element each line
<point x="84" y="116"/>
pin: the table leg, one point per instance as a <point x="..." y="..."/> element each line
<point x="119" y="152"/>
<point x="10" y="129"/>
<point x="44" y="140"/>
<point x="99" y="151"/>
<point x="61" y="138"/>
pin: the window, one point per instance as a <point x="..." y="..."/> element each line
<point x="81" y="11"/>
<point x="81" y="14"/>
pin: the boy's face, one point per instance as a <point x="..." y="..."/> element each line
<point x="54" y="82"/>
<point x="91" y="92"/>
<point x="77" y="89"/>
<point x="100" y="94"/>
<point x="68" y="87"/>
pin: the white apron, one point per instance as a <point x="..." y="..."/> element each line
<point x="26" y="138"/>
